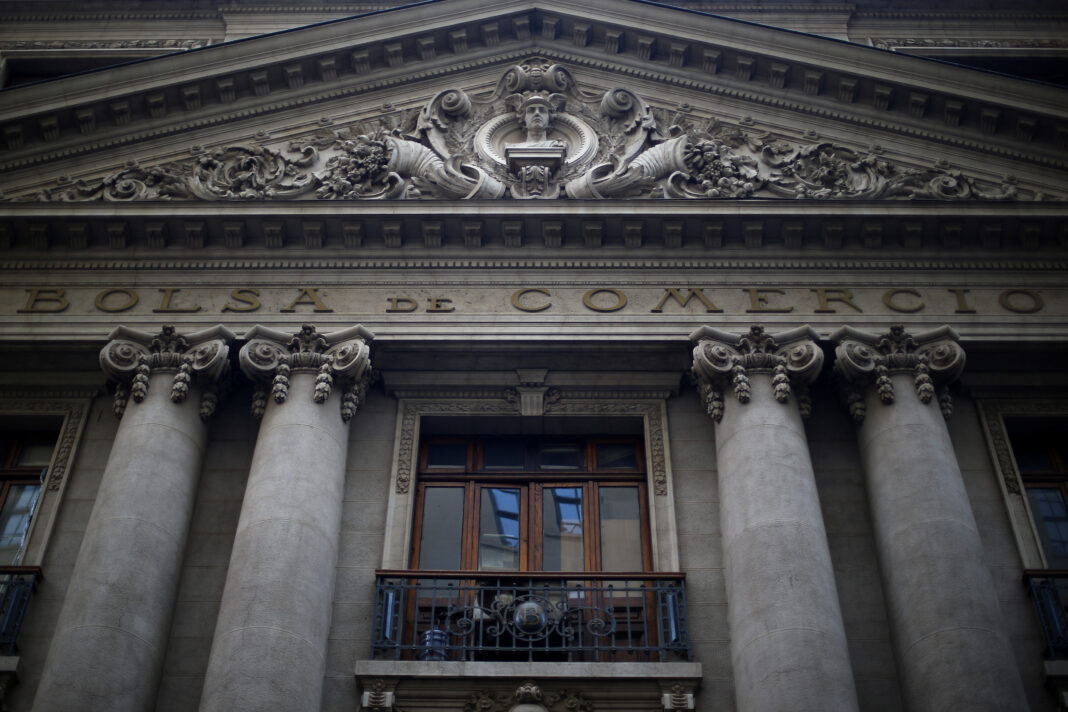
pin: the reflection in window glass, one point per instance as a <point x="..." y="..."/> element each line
<point x="617" y="456"/>
<point x="498" y="529"/>
<point x="15" y="520"/>
<point x="443" y="521"/>
<point x="562" y="548"/>
<point x="561" y="456"/>
<point x="1051" y="519"/>
<point x="621" y="531"/>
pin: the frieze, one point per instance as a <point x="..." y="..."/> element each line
<point x="104" y="44"/>
<point x="971" y="42"/>
<point x="539" y="135"/>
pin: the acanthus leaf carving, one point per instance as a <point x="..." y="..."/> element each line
<point x="537" y="134"/>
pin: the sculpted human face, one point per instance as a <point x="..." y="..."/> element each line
<point x="536" y="116"/>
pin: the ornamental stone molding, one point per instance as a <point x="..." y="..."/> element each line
<point x="132" y="355"/>
<point x="341" y="358"/>
<point x="934" y="358"/>
<point x="722" y="359"/>
<point x="537" y="135"/>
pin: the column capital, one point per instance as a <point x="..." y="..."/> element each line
<point x="792" y="356"/>
<point x="864" y="358"/>
<point x="132" y="355"/>
<point x="271" y="355"/>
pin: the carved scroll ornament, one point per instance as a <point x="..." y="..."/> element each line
<point x="537" y="134"/>
<point x="722" y="359"/>
<point x="131" y="356"/>
<point x="934" y="358"/>
<point x="340" y="358"/>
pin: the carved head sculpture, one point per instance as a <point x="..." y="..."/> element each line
<point x="535" y="112"/>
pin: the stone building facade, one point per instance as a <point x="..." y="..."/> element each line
<point x="543" y="355"/>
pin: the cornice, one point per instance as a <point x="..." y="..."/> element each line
<point x="710" y="66"/>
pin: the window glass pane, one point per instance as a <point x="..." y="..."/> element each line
<point x="35" y="455"/>
<point x="621" y="531"/>
<point x="504" y="455"/>
<point x="617" y="456"/>
<point x="1032" y="458"/>
<point x="443" y="521"/>
<point x="561" y="456"/>
<point x="453" y="455"/>
<point x="15" y="520"/>
<point x="1051" y="519"/>
<point x="498" y="529"/>
<point x="562" y="548"/>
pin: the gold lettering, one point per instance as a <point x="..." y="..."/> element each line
<point x="247" y="296"/>
<point x="621" y="299"/>
<point x="37" y="294"/>
<point x="844" y="296"/>
<point x="760" y="303"/>
<point x="308" y="296"/>
<point x="165" y="304"/>
<point x="401" y="304"/>
<point x="440" y="304"/>
<point x="676" y="294"/>
<point x="962" y="302"/>
<point x="1005" y="300"/>
<point x="888" y="300"/>
<point x="517" y="299"/>
<point x="131" y="300"/>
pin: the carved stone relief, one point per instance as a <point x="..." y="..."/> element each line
<point x="863" y="358"/>
<point x="536" y="135"/>
<point x="132" y="355"/>
<point x="341" y="358"/>
<point x="721" y="358"/>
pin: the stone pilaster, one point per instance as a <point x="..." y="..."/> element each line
<point x="269" y="649"/>
<point x="951" y="650"/>
<point x="788" y="643"/>
<point x="112" y="631"/>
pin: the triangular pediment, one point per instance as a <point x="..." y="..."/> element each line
<point x="645" y="101"/>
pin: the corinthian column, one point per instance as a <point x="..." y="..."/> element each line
<point x="269" y="650"/>
<point x="951" y="650"/>
<point x="112" y="631"/>
<point x="788" y="643"/>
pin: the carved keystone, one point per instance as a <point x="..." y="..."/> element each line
<point x="721" y="358"/>
<point x="339" y="357"/>
<point x="862" y="358"/>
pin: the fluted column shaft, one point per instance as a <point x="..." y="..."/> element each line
<point x="269" y="649"/>
<point x="111" y="636"/>
<point x="951" y="649"/>
<point x="788" y="644"/>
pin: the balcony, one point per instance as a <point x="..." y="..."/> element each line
<point x="531" y="617"/>
<point x="1049" y="592"/>
<point x="17" y="584"/>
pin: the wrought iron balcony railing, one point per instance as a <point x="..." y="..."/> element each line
<point x="592" y="617"/>
<point x="1049" y="591"/>
<point x="17" y="584"/>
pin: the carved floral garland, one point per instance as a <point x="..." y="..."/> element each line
<point x="602" y="146"/>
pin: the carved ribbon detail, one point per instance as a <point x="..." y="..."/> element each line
<point x="934" y="358"/>
<point x="131" y="356"/>
<point x="341" y="358"/>
<point x="721" y="358"/>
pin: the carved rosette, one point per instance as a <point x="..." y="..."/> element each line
<point x="933" y="358"/>
<point x="340" y="359"/>
<point x="131" y="356"/>
<point x="723" y="360"/>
